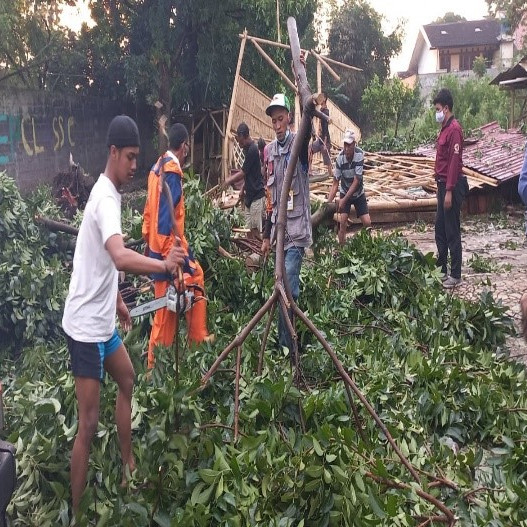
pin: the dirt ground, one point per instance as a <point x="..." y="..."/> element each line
<point x="494" y="258"/>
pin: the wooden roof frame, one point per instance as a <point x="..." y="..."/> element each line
<point x="322" y="62"/>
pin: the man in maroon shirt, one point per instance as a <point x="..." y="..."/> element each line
<point x="452" y="188"/>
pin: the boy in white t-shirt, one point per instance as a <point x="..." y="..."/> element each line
<point x="94" y="300"/>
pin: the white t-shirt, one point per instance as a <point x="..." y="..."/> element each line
<point x="89" y="313"/>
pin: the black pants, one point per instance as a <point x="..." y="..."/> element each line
<point x="447" y="227"/>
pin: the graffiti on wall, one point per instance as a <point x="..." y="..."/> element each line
<point x="36" y="138"/>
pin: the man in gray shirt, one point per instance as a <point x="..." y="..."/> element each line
<point x="298" y="227"/>
<point x="348" y="181"/>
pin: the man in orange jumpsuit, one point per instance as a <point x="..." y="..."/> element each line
<point x="159" y="236"/>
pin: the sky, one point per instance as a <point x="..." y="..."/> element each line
<point x="417" y="13"/>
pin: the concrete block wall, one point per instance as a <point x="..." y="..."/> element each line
<point x="38" y="130"/>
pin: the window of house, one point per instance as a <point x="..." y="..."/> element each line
<point x="444" y="61"/>
<point x="466" y="59"/>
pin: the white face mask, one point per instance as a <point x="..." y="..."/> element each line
<point x="440" y="116"/>
<point x="287" y="133"/>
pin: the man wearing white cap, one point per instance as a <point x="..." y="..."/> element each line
<point x="298" y="225"/>
<point x="348" y="180"/>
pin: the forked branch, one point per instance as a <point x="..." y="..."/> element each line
<point x="282" y="294"/>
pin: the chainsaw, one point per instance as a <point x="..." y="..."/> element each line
<point x="178" y="302"/>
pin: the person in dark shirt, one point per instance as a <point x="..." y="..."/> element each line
<point x="452" y="188"/>
<point x="253" y="190"/>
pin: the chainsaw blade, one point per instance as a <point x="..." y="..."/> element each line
<point x="148" y="307"/>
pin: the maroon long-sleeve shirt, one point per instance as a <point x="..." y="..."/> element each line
<point x="449" y="153"/>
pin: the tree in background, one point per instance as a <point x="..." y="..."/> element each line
<point x="476" y="103"/>
<point x="36" y="52"/>
<point x="449" y="18"/>
<point x="183" y="53"/>
<point x="388" y="103"/>
<point x="356" y="37"/>
<point x="479" y="66"/>
<point x="514" y="10"/>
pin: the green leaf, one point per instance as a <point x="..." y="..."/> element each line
<point x="162" y="519"/>
<point x="359" y="481"/>
<point x="317" y="447"/>
<point x="314" y="471"/>
<point x="208" y="475"/>
<point x="375" y="505"/>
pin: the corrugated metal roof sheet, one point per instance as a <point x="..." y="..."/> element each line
<point x="492" y="152"/>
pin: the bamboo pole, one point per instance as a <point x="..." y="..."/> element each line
<point x="286" y="46"/>
<point x="273" y="64"/>
<point x="332" y="72"/>
<point x="278" y="20"/>
<point x="319" y="76"/>
<point x="216" y="124"/>
<point x="342" y="64"/>
<point x="226" y="157"/>
<point x="402" y="204"/>
<point x="481" y="177"/>
<point x="270" y="42"/>
<point x="192" y="132"/>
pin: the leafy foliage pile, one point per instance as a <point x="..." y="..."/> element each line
<point x="431" y="365"/>
<point x="32" y="280"/>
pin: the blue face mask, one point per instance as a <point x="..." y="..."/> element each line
<point x="440" y="116"/>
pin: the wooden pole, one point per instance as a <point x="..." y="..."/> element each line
<point x="285" y="46"/>
<point x="192" y="132"/>
<point x="225" y="160"/>
<point x="332" y="72"/>
<point x="273" y="64"/>
<point x="278" y="20"/>
<point x="513" y="101"/>
<point x="342" y="64"/>
<point x="319" y="76"/>
<point x="270" y="42"/>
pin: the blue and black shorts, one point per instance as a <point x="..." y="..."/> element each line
<point x="360" y="203"/>
<point x="87" y="358"/>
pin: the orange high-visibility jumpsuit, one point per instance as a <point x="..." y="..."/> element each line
<point x="159" y="236"/>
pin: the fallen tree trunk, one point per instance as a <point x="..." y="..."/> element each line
<point x="59" y="226"/>
<point x="324" y="213"/>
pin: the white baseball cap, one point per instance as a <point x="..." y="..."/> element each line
<point x="278" y="101"/>
<point x="349" y="137"/>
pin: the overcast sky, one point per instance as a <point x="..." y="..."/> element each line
<point x="421" y="12"/>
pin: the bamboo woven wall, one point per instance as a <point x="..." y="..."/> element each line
<point x="250" y="108"/>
